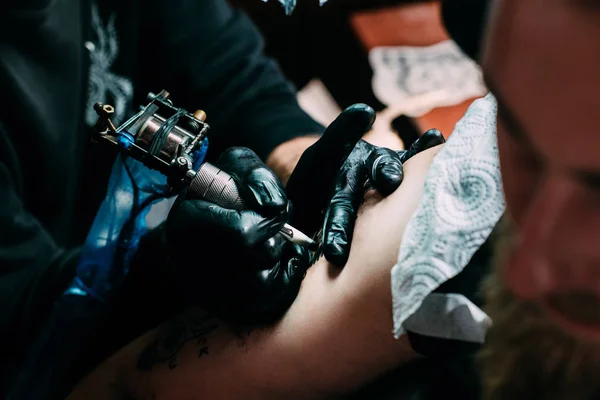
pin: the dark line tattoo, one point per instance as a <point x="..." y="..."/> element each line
<point x="171" y="337"/>
<point x="316" y="255"/>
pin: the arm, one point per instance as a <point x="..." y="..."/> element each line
<point x="34" y="270"/>
<point x="336" y="336"/>
<point x="285" y="157"/>
<point x="210" y="56"/>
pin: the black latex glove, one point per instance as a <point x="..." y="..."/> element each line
<point x="235" y="263"/>
<point x="367" y="167"/>
<point x="311" y="184"/>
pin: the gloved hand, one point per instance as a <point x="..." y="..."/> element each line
<point x="311" y="184"/>
<point x="235" y="263"/>
<point x="367" y="166"/>
<point x="258" y="275"/>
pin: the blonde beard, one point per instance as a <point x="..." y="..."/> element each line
<point x="525" y="355"/>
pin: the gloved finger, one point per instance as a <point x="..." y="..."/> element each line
<point x="275" y="290"/>
<point x="257" y="184"/>
<point x="268" y="252"/>
<point x="344" y="132"/>
<point x="429" y="139"/>
<point x="340" y="218"/>
<point x="239" y="230"/>
<point x="309" y="187"/>
<point x="384" y="170"/>
<point x="297" y="262"/>
<point x="290" y="270"/>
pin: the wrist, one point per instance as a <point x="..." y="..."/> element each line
<point x="283" y="158"/>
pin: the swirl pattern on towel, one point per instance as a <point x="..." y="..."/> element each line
<point x="462" y="202"/>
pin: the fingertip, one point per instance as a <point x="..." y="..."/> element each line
<point x="432" y="137"/>
<point x="360" y="115"/>
<point x="386" y="171"/>
<point x="336" y="253"/>
<point x="298" y="264"/>
<point x="236" y="161"/>
<point x="339" y="227"/>
<point x="429" y="139"/>
<point x="268" y="194"/>
<point x="433" y="131"/>
<point x="351" y="124"/>
<point x="336" y="245"/>
<point x="361" y="108"/>
<point x="388" y="182"/>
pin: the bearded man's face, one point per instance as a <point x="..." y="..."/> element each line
<point x="541" y="60"/>
<point x="526" y="354"/>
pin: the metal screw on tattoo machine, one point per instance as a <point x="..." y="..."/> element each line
<point x="166" y="139"/>
<point x="290" y="5"/>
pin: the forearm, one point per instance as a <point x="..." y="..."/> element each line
<point x="284" y="158"/>
<point x="313" y="352"/>
<point x="336" y="336"/>
<point x="343" y="316"/>
<point x="193" y="356"/>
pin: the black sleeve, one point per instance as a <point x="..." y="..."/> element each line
<point x="33" y="269"/>
<point x="210" y="56"/>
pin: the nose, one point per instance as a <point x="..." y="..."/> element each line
<point x="544" y="261"/>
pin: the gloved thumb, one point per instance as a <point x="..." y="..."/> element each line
<point x="190" y="220"/>
<point x="257" y="184"/>
<point x="384" y="170"/>
<point x="429" y="139"/>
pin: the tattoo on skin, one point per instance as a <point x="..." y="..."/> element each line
<point x="170" y="339"/>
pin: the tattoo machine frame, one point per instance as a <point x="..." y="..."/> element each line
<point x="169" y="140"/>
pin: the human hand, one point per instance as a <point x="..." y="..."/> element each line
<point x="367" y="167"/>
<point x="245" y="270"/>
<point x="311" y="184"/>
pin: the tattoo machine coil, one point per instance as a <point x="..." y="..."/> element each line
<point x="170" y="140"/>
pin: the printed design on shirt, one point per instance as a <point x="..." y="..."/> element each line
<point x="104" y="85"/>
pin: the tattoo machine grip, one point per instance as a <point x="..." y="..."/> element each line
<point x="217" y="186"/>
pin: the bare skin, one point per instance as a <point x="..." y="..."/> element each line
<point x="336" y="337"/>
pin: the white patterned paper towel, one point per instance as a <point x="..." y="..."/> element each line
<point x="462" y="202"/>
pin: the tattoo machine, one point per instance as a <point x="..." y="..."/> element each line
<point x="162" y="151"/>
<point x="166" y="139"/>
